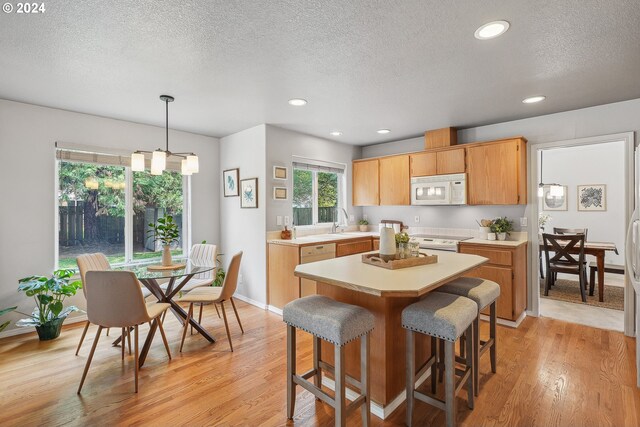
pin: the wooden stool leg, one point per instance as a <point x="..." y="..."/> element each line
<point x="186" y="325"/>
<point x="317" y="349"/>
<point x="291" y="370"/>
<point x="340" y="409"/>
<point x="463" y="344"/>
<point x="450" y="383"/>
<point x="471" y="353"/>
<point x="492" y="334"/>
<point x="440" y="360"/>
<point x="84" y="332"/>
<point x="93" y="350"/>
<point x="365" y="409"/>
<point x="434" y="367"/>
<point x="411" y="370"/>
<point x="476" y="355"/>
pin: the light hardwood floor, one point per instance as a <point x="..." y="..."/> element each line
<point x="549" y="373"/>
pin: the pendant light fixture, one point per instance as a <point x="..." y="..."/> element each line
<point x="555" y="190"/>
<point x="189" y="164"/>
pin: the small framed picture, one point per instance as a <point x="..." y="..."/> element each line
<point x="230" y="179"/>
<point x="280" y="172"/>
<point x="249" y="193"/>
<point x="592" y="197"/>
<point x="550" y="202"/>
<point x="279" y="193"/>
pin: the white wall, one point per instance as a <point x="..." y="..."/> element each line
<point x="591" y="164"/>
<point x="244" y="229"/>
<point x="593" y="121"/>
<point x="282" y="144"/>
<point x="27" y="137"/>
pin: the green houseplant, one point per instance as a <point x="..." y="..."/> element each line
<point x="49" y="294"/>
<point x="3" y="312"/>
<point x="167" y="232"/>
<point x="363" y="224"/>
<point x="502" y="227"/>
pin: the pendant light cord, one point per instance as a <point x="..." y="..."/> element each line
<point x="166" y="103"/>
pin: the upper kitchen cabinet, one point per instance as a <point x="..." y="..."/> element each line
<point x="366" y="183"/>
<point x="497" y="172"/>
<point x="440" y="162"/>
<point x="395" y="184"/>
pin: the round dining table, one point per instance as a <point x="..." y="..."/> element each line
<point x="176" y="280"/>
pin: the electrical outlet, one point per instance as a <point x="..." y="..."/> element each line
<point x="286" y="220"/>
<point x="523" y="221"/>
<point x="352" y="218"/>
<point x="416" y="219"/>
<point x="279" y="220"/>
<point x="365" y="217"/>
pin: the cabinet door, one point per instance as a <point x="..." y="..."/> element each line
<point x="503" y="277"/>
<point x="344" y="249"/>
<point x="450" y="161"/>
<point x="376" y="245"/>
<point x="493" y="177"/>
<point x="365" y="183"/>
<point x="395" y="184"/>
<point x="284" y="287"/>
<point x="423" y="164"/>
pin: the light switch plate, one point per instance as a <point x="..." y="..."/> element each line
<point x="352" y="218"/>
<point x="279" y="220"/>
<point x="286" y="220"/>
<point x="523" y="221"/>
<point x="416" y="219"/>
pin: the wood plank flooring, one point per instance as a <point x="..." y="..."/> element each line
<point x="550" y="373"/>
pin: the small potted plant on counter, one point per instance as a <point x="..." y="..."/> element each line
<point x="363" y="224"/>
<point x="502" y="227"/>
<point x="49" y="294"/>
<point x="166" y="231"/>
<point x="402" y="240"/>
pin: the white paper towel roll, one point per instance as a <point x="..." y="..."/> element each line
<point x="387" y="241"/>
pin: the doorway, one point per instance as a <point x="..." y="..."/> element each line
<point x="583" y="185"/>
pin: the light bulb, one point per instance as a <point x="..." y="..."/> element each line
<point x="137" y="162"/>
<point x="193" y="164"/>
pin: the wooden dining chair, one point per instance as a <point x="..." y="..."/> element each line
<point x="91" y="262"/>
<point x="216" y="295"/>
<point x="562" y="261"/>
<point x="115" y="300"/>
<point x="565" y="231"/>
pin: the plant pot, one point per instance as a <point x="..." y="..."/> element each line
<point x="166" y="255"/>
<point x="491" y="236"/>
<point x="501" y="236"/>
<point x="50" y="330"/>
<point x="364" y="227"/>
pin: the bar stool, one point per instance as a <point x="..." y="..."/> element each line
<point x="336" y="323"/>
<point x="484" y="293"/>
<point x="444" y="317"/>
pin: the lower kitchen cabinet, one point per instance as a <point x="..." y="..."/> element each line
<point x="350" y="248"/>
<point x="507" y="267"/>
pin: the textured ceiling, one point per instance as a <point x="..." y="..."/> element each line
<point x="362" y="65"/>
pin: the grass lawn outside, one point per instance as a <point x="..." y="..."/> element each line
<point x="70" y="263"/>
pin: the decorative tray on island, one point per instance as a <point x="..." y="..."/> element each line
<point x="166" y="267"/>
<point x="396" y="263"/>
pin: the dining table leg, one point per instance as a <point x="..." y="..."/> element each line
<point x="600" y="264"/>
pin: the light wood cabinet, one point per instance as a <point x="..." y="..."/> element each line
<point x="441" y="162"/>
<point x="376" y="245"/>
<point x="395" y="183"/>
<point x="366" y="183"/>
<point x="350" y="248"/>
<point x="437" y="138"/>
<point x="507" y="267"/>
<point x="497" y="173"/>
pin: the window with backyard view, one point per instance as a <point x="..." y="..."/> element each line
<point x="316" y="196"/>
<point x="93" y="209"/>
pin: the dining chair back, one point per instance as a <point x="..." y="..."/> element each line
<point x="202" y="254"/>
<point x="91" y="262"/>
<point x="563" y="260"/>
<point x="563" y="231"/>
<point x="231" y="278"/>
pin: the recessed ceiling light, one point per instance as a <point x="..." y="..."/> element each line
<point x="491" y="30"/>
<point x="297" y="102"/>
<point x="383" y="131"/>
<point x="534" y="99"/>
<point x="335" y="133"/>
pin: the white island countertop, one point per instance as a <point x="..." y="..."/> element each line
<point x="351" y="273"/>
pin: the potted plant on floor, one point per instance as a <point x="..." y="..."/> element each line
<point x="166" y="231"/>
<point x="502" y="227"/>
<point x="49" y="294"/>
<point x="3" y="312"/>
<point x="363" y="225"/>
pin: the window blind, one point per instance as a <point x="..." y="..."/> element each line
<point x="103" y="156"/>
<point x="318" y="166"/>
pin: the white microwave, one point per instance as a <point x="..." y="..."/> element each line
<point x="439" y="190"/>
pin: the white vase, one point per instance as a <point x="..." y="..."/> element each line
<point x="387" y="243"/>
<point x="501" y="236"/>
<point x="166" y="255"/>
<point x="483" y="232"/>
<point x="491" y="236"/>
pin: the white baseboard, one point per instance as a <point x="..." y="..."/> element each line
<point x="250" y="301"/>
<point x="378" y="410"/>
<point x="275" y="310"/>
<point x="509" y="323"/>
<point x="27" y="330"/>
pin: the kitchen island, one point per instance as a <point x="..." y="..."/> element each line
<point x="385" y="293"/>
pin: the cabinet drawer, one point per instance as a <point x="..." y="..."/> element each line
<point x="344" y="249"/>
<point x="319" y="249"/>
<point x="496" y="256"/>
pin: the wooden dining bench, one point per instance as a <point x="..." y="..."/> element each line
<point x="608" y="268"/>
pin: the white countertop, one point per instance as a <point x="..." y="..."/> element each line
<point x="351" y="273"/>
<point x="509" y="243"/>
<point x="324" y="238"/>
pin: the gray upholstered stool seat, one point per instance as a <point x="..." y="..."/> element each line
<point x="333" y="321"/>
<point x="445" y="317"/>
<point x="440" y="315"/>
<point x="337" y="323"/>
<point x="484" y="293"/>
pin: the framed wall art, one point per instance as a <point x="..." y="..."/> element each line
<point x="592" y="197"/>
<point x="280" y="172"/>
<point x="249" y="193"/>
<point x="230" y="180"/>
<point x="279" y="193"/>
<point x="553" y="203"/>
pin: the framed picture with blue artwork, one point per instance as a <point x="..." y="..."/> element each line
<point x="230" y="179"/>
<point x="249" y="193"/>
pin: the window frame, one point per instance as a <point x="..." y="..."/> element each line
<point x="341" y="196"/>
<point x="128" y="220"/>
